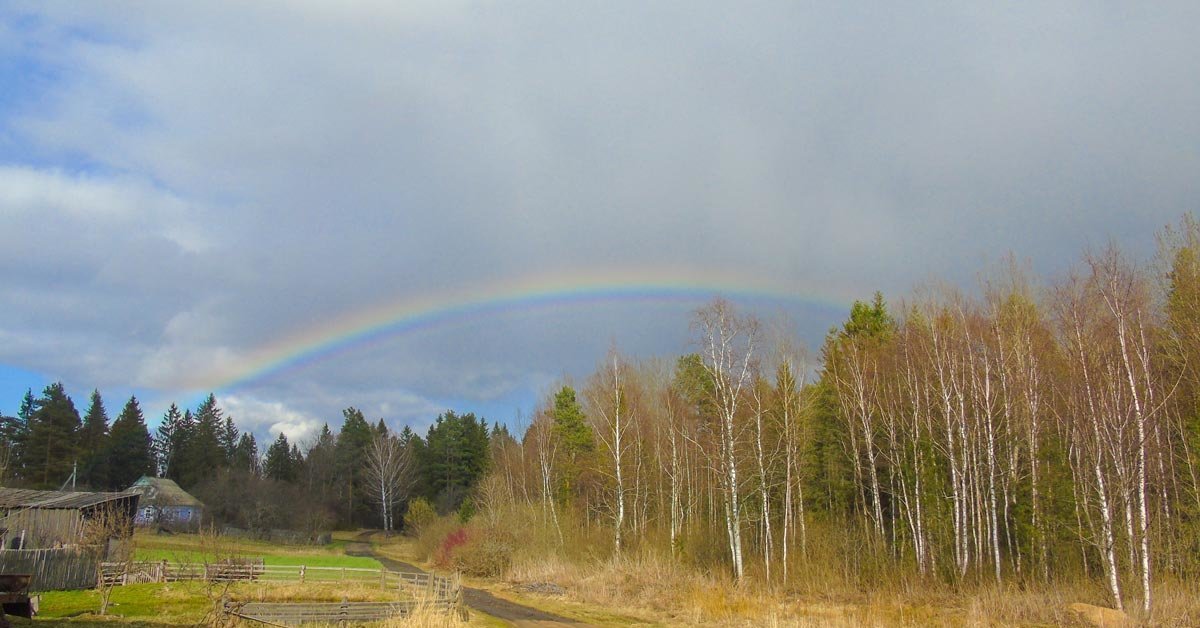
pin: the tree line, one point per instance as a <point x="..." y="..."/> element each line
<point x="1024" y="432"/>
<point x="47" y="445"/>
<point x="360" y="475"/>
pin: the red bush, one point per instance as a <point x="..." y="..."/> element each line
<point x="453" y="541"/>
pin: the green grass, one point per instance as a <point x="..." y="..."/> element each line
<point x="187" y="603"/>
<point x="194" y="548"/>
<point x="312" y="560"/>
<point x="174" y="604"/>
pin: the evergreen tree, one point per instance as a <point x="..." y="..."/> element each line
<point x="228" y="438"/>
<point x="454" y="458"/>
<point x="245" y="454"/>
<point x="320" y="471"/>
<point x="570" y="425"/>
<point x="94" y="443"/>
<point x="202" y="451"/>
<point x="18" y="433"/>
<point x="25" y="412"/>
<point x="870" y="321"/>
<point x="407" y="435"/>
<point x="280" y="464"/>
<point x="577" y="444"/>
<point x="52" y="448"/>
<point x="131" y="447"/>
<point x="181" y="436"/>
<point x="164" y="440"/>
<point x="297" y="457"/>
<point x="351" y="450"/>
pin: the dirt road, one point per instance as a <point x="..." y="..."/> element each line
<point x="477" y="599"/>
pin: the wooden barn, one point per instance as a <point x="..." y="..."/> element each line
<point x="165" y="503"/>
<point x="32" y="519"/>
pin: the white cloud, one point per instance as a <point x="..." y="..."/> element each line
<point x="267" y="419"/>
<point x="77" y="202"/>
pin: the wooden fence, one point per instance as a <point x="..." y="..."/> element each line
<point x="51" y="569"/>
<point x="342" y="614"/>
<point x="413" y="589"/>
<point x="164" y="571"/>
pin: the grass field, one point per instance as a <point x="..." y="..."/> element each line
<point x="191" y="548"/>
<point x="192" y="603"/>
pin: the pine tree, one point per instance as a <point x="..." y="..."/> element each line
<point x="228" y="438"/>
<point x="52" y="448"/>
<point x="245" y="455"/>
<point x="297" y="462"/>
<point x="576" y="441"/>
<point x="320" y="470"/>
<point x="280" y="464"/>
<point x="164" y="440"/>
<point x="454" y="458"/>
<point x="94" y="444"/>
<point x="18" y="435"/>
<point x="131" y="456"/>
<point x="203" y="454"/>
<point x="181" y="436"/>
<point x="406" y="435"/>
<point x="352" y="442"/>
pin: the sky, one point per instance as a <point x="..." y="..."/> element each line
<point x="420" y="206"/>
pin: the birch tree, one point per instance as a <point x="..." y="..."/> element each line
<point x="727" y="347"/>
<point x="615" y="430"/>
<point x="389" y="474"/>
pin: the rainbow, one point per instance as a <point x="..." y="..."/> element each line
<point x="404" y="315"/>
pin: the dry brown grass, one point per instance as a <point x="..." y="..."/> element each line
<point x="842" y="583"/>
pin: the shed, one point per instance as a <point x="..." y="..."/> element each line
<point x="165" y="503"/>
<point x="32" y="519"/>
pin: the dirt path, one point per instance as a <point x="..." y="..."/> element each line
<point x="478" y="599"/>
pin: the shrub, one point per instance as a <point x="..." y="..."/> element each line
<point x="487" y="554"/>
<point x="466" y="510"/>
<point x="419" y="515"/>
<point x="444" y="557"/>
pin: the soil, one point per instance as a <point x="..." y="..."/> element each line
<point x="477" y="599"/>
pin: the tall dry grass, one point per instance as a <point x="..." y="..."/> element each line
<point x="841" y="579"/>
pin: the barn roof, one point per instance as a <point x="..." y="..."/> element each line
<point x="163" y="492"/>
<point x="28" y="498"/>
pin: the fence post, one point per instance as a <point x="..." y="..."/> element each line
<point x="302" y="569"/>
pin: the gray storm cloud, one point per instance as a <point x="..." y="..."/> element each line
<point x="183" y="184"/>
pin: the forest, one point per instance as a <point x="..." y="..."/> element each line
<point x="1026" y="431"/>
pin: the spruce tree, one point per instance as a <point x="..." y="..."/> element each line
<point x="131" y="456"/>
<point x="52" y="449"/>
<point x="245" y="455"/>
<point x="228" y="438"/>
<point x="181" y="437"/>
<point x="454" y="458"/>
<point x="320" y="470"/>
<point x="94" y="443"/>
<point x="203" y="452"/>
<point x="279" y="464"/>
<point x="19" y="435"/>
<point x="164" y="440"/>
<point x="352" y="442"/>
<point x="577" y="444"/>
